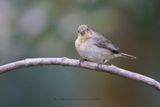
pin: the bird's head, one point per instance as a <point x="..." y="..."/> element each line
<point x="83" y="29"/>
<point x="84" y="33"/>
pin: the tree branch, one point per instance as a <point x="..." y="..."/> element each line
<point x="76" y="63"/>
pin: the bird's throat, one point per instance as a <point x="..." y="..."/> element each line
<point x="84" y="38"/>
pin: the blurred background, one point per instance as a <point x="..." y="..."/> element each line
<point x="48" y="28"/>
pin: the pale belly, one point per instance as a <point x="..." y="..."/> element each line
<point x="93" y="53"/>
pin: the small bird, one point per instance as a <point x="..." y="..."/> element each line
<point x="94" y="47"/>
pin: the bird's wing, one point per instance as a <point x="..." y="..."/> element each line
<point x="102" y="42"/>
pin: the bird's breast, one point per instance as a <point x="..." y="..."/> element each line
<point x="88" y="50"/>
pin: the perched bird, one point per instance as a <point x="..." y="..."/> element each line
<point x="92" y="46"/>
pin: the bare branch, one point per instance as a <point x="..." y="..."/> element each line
<point x="75" y="63"/>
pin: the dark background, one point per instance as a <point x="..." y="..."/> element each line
<point x="48" y="28"/>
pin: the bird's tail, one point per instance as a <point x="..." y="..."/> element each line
<point x="127" y="56"/>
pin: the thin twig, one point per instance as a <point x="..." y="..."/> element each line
<point x="76" y="63"/>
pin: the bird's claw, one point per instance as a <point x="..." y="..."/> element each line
<point x="81" y="61"/>
<point x="98" y="66"/>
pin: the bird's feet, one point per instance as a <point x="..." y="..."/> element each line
<point x="81" y="61"/>
<point x="99" y="65"/>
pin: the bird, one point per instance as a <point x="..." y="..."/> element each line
<point x="94" y="47"/>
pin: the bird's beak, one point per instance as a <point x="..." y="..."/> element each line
<point x="82" y="32"/>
